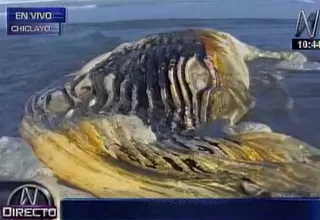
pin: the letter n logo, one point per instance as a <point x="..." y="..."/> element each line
<point x="28" y="197"/>
<point x="311" y="24"/>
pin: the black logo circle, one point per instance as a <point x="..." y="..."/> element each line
<point x="30" y="194"/>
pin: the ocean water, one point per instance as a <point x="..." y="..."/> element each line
<point x="287" y="92"/>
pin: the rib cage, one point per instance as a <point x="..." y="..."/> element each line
<point x="162" y="76"/>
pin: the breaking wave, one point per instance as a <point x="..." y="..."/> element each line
<point x="306" y="1"/>
<point x="287" y="60"/>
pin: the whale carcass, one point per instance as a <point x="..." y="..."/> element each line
<point x="125" y="124"/>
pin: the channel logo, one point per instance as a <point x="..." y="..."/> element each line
<point x="29" y="201"/>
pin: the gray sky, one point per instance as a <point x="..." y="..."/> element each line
<point x="108" y="10"/>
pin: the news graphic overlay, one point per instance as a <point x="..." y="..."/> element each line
<point x="309" y="26"/>
<point x="28" y="200"/>
<point x="35" y="21"/>
<point x="191" y="209"/>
